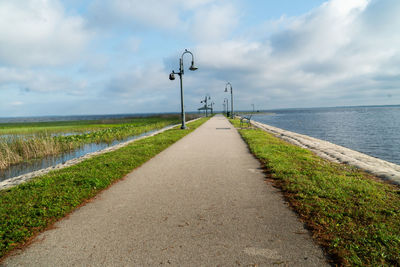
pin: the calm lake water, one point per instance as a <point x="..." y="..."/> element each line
<point x="373" y="130"/>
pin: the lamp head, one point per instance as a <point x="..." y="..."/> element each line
<point x="171" y="76"/>
<point x="192" y="67"/>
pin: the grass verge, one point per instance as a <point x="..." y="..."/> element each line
<point x="353" y="215"/>
<point x="19" y="148"/>
<point x="29" y="208"/>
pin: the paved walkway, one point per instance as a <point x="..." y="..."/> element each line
<point x="201" y="202"/>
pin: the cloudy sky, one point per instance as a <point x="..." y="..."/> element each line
<point x="114" y="56"/>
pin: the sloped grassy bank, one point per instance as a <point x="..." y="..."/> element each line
<point x="355" y="216"/>
<point x="41" y="143"/>
<point x="29" y="208"/>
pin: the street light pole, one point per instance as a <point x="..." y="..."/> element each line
<point x="206" y="106"/>
<point x="226" y="90"/>
<point x="205" y="101"/>
<point x="227" y="105"/>
<point x="180" y="73"/>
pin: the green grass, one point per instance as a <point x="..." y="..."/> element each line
<point x="31" y="128"/>
<point x="59" y="126"/>
<point x="355" y="216"/>
<point x="40" y="143"/>
<point x="33" y="206"/>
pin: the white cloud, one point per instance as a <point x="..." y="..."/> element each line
<point x="150" y="79"/>
<point x="143" y="89"/>
<point x="329" y="56"/>
<point x="17" y="103"/>
<point x="40" y="81"/>
<point x="131" y="45"/>
<point x="230" y="54"/>
<point x="136" y="15"/>
<point x="38" y="32"/>
<point x="198" y="20"/>
<point x="342" y="52"/>
<point x="214" y="23"/>
<point x="151" y="12"/>
<point x="192" y="3"/>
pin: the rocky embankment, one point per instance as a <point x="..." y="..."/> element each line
<point x="336" y="153"/>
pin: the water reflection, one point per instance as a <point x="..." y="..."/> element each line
<point x="38" y="164"/>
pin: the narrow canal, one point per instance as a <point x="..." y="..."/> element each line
<point x="38" y="164"/>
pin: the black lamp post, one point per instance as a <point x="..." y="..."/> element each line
<point x="227" y="105"/>
<point x="226" y="90"/>
<point x="180" y="73"/>
<point x="205" y="101"/>
<point x="205" y="105"/>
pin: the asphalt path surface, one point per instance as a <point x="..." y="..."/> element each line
<point x="203" y="201"/>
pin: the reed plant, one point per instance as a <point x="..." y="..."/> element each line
<point x="7" y="156"/>
<point x="17" y="148"/>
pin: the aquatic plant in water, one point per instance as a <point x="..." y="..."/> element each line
<point x="16" y="148"/>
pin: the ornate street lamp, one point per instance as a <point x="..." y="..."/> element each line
<point x="180" y="73"/>
<point x="206" y="103"/>
<point x="226" y="90"/>
<point x="227" y="105"/>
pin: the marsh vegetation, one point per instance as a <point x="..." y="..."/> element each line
<point x="22" y="142"/>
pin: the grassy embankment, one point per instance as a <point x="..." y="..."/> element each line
<point x="33" y="206"/>
<point x="353" y="215"/>
<point x="26" y="141"/>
